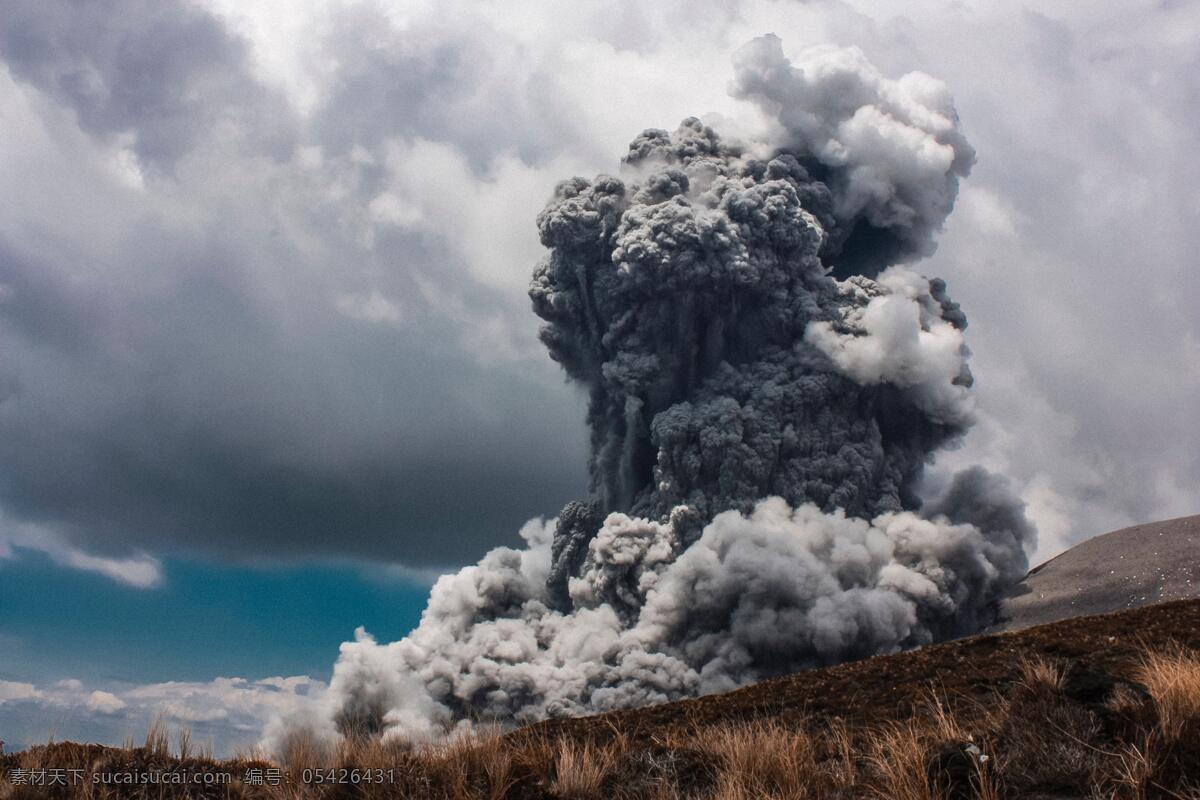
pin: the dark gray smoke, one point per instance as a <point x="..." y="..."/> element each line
<point x="767" y="382"/>
<point x="682" y="301"/>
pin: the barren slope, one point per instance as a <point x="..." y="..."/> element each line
<point x="1132" y="567"/>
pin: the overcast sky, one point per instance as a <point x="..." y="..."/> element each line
<point x="263" y="271"/>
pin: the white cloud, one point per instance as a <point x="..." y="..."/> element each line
<point x="388" y="209"/>
<point x="229" y="712"/>
<point x="189" y="714"/>
<point x="139" y="571"/>
<point x="284" y="37"/>
<point x="104" y="702"/>
<point x="372" y="307"/>
<point x="11" y="690"/>
<point x="487" y="219"/>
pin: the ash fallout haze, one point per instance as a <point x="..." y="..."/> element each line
<point x="656" y="318"/>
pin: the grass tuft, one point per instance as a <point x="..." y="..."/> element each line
<point x="1172" y="677"/>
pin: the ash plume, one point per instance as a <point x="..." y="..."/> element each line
<point x="768" y="378"/>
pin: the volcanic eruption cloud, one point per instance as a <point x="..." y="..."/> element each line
<point x="768" y="379"/>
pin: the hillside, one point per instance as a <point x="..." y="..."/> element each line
<point x="1101" y="706"/>
<point x="1128" y="568"/>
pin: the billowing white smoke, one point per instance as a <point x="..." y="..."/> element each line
<point x="897" y="335"/>
<point x="768" y="381"/>
<point x="781" y="589"/>
<point x="893" y="149"/>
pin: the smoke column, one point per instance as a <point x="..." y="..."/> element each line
<point x="768" y="379"/>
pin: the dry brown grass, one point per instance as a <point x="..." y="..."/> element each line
<point x="764" y="759"/>
<point x="1172" y="677"/>
<point x="926" y="757"/>
<point x="1041" y="675"/>
<point x="158" y="738"/>
<point x="582" y="768"/>
<point x="154" y="755"/>
<point x="302" y="749"/>
<point x="895" y="758"/>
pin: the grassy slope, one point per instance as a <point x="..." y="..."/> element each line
<point x="1105" y="706"/>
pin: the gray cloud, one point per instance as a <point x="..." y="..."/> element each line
<point x="445" y="84"/>
<point x="170" y="73"/>
<point x="184" y="363"/>
<point x="216" y="431"/>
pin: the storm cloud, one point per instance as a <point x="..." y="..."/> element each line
<point x="217" y="338"/>
<point x="255" y="269"/>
